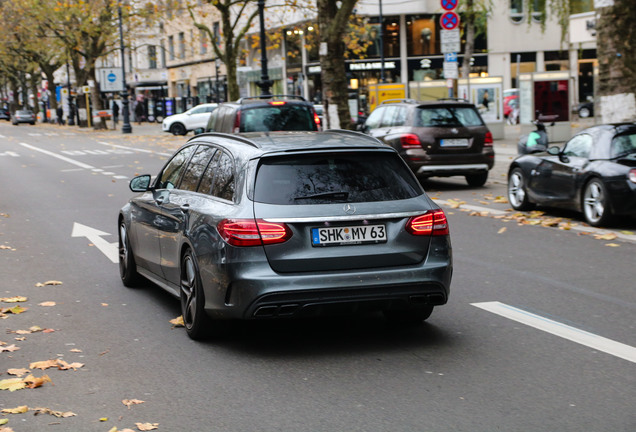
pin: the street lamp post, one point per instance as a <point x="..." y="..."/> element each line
<point x="126" y="127"/>
<point x="265" y="83"/>
<point x="382" y="78"/>
<point x="71" y="115"/>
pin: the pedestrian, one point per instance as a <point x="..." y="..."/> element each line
<point x="115" y="114"/>
<point x="139" y="112"/>
<point x="59" y="113"/>
<point x="486" y="100"/>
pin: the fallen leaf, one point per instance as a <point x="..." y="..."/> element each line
<point x="14" y="310"/>
<point x="147" y="426"/>
<point x="501" y="200"/>
<point x="606" y="236"/>
<point x="47" y="304"/>
<point x="455" y="203"/>
<point x="104" y="304"/>
<point x="58" y="414"/>
<point x="178" y="321"/>
<point x="43" y="364"/>
<point x="18" y="410"/>
<point x="18" y="372"/>
<point x="62" y="365"/>
<point x="130" y="402"/>
<point x="12" y="384"/>
<point x="627" y="232"/>
<point x="35" y="382"/>
<point x="51" y="282"/>
<point x="9" y="348"/>
<point x="15" y="299"/>
<point x="75" y="350"/>
<point x="612" y="244"/>
<point x="502" y="230"/>
<point x="103" y="419"/>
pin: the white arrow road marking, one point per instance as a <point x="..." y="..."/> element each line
<point x="111" y="250"/>
<point x="582" y="337"/>
<point x="10" y="153"/>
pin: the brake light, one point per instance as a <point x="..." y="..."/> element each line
<point x="317" y="120"/>
<point x="432" y="222"/>
<point x="277" y="103"/>
<point x="237" y="122"/>
<point x="410" y="141"/>
<point x="253" y="232"/>
<point x="632" y="175"/>
<point x="488" y="141"/>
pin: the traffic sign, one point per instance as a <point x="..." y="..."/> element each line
<point x="449" y="20"/>
<point x="450" y="41"/>
<point x="450" y="57"/>
<point x="451" y="70"/>
<point x="449" y="4"/>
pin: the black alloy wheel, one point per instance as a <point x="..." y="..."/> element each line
<point x="127" y="266"/>
<point x="195" y="319"/>
<point x="178" y="129"/>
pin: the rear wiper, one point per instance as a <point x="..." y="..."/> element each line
<point x="325" y="195"/>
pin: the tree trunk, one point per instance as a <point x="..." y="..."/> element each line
<point x="616" y="52"/>
<point x="469" y="36"/>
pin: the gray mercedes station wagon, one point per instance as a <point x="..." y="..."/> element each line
<point x="286" y="224"/>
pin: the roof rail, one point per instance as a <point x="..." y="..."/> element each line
<point x="398" y="100"/>
<point x="352" y="133"/>
<point x="453" y="99"/>
<point x="232" y="137"/>
<point x="253" y="98"/>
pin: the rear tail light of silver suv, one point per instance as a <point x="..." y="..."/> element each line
<point x="253" y="232"/>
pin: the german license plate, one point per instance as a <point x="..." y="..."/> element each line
<point x="350" y="235"/>
<point x="454" y="142"/>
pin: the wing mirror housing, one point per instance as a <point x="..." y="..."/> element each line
<point x="554" y="150"/>
<point x="140" y="183"/>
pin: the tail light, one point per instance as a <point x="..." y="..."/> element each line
<point x="237" y="122"/>
<point x="488" y="141"/>
<point x="253" y="232"/>
<point x="632" y="175"/>
<point x="410" y="141"/>
<point x="317" y="120"/>
<point x="432" y="222"/>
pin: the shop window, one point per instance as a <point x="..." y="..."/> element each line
<point x="516" y="11"/>
<point x="152" y="57"/>
<point x="390" y="38"/>
<point x="421" y="36"/>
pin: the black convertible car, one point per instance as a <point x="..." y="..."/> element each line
<point x="594" y="173"/>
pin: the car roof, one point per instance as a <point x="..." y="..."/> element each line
<point x="435" y="102"/>
<point x="268" y="142"/>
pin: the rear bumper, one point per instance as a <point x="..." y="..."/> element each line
<point x="427" y="165"/>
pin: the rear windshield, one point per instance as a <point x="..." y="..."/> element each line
<point x="340" y="177"/>
<point x="284" y="117"/>
<point x="448" y="116"/>
<point x="623" y="145"/>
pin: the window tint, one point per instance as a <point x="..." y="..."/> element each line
<point x="341" y="177"/>
<point x="373" y="122"/>
<point x="579" y="146"/>
<point x="448" y="116"/>
<point x="623" y="145"/>
<point x="171" y="173"/>
<point x="223" y="183"/>
<point x="390" y="115"/>
<point x="284" y="117"/>
<point x="196" y="167"/>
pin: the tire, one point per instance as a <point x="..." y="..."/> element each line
<point x="517" y="192"/>
<point x="178" y="129"/>
<point x="477" y="180"/>
<point x="195" y="320"/>
<point x="584" y="112"/>
<point x="595" y="204"/>
<point x="127" y="266"/>
<point x="408" y="316"/>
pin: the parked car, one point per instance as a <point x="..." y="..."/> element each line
<point x="23" y="116"/>
<point x="585" y="109"/>
<point x="439" y="138"/>
<point x="264" y="113"/>
<point x="594" y="173"/>
<point x="194" y="118"/>
<point x="5" y="114"/>
<point x="286" y="224"/>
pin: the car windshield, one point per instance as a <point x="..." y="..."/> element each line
<point x="283" y="117"/>
<point x="340" y="177"/>
<point x="623" y="145"/>
<point x="448" y="117"/>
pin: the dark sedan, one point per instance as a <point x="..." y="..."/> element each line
<point x="5" y="114"/>
<point x="594" y="173"/>
<point x="274" y="225"/>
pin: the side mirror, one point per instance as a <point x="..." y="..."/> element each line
<point x="554" y="150"/>
<point x="198" y="131"/>
<point x="140" y="183"/>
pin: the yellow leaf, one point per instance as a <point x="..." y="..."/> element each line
<point x="612" y="244"/>
<point x="18" y="372"/>
<point x="15" y="299"/>
<point x="4" y="422"/>
<point x="627" y="232"/>
<point x="43" y="364"/>
<point x="12" y="384"/>
<point x="501" y="200"/>
<point x="607" y="236"/>
<point x="178" y="321"/>
<point x="104" y="419"/>
<point x="18" y="410"/>
<point x="502" y="230"/>
<point x="14" y="310"/>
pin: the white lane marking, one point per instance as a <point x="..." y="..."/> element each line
<point x="111" y="250"/>
<point x="495" y="212"/>
<point x="556" y="328"/>
<point x="10" y="153"/>
<point x="134" y="149"/>
<point x="55" y="155"/>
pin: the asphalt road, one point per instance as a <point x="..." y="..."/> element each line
<point x="538" y="335"/>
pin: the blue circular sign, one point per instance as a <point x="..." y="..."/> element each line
<point x="449" y="20"/>
<point x="111" y="77"/>
<point x="449" y="4"/>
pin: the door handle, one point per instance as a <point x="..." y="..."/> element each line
<point x="160" y="199"/>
